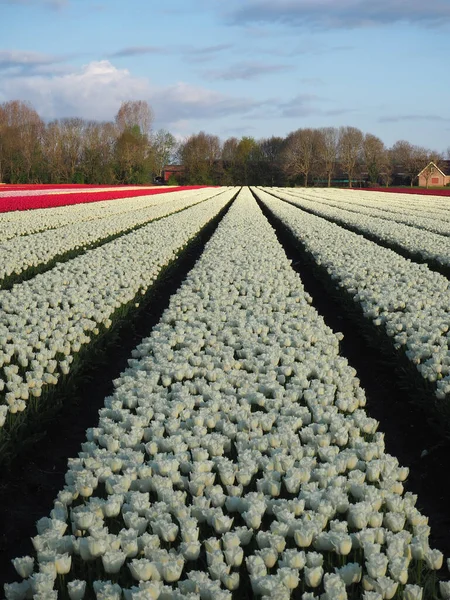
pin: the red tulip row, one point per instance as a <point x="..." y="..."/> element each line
<point x="413" y="190"/>
<point x="29" y="202"/>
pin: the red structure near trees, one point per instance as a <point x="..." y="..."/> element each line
<point x="176" y="171"/>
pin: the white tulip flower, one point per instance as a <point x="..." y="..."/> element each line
<point x="141" y="569"/>
<point x="349" y="573"/>
<point x="63" y="563"/>
<point x="434" y="559"/>
<point x="41" y="583"/>
<point x="289" y="577"/>
<point x="17" y="591"/>
<point x="24" y="566"/>
<point x="269" y="556"/>
<point x="171" y="571"/>
<point x="444" y="589"/>
<point x="313" y="576"/>
<point x="412" y="592"/>
<point x="105" y="590"/>
<point x="76" y="589"/>
<point x="113" y="561"/>
<point x="334" y="587"/>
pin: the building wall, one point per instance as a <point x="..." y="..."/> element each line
<point x="175" y="171"/>
<point x="435" y="180"/>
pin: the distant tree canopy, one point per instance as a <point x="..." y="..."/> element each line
<point x="126" y="150"/>
<point x="75" y="150"/>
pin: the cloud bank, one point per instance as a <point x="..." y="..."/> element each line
<point x="340" y="13"/>
<point x="96" y="91"/>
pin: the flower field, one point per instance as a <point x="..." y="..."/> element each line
<point x="236" y="451"/>
<point x="14" y="198"/>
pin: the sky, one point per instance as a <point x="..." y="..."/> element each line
<point x="236" y="67"/>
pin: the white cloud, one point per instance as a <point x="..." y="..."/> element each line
<point x="188" y="101"/>
<point x="97" y="89"/>
<point x="93" y="92"/>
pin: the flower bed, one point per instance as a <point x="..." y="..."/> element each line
<point x="430" y="215"/>
<point x="46" y="321"/>
<point x="22" y="257"/>
<point x="27" y="202"/>
<point x="26" y="222"/>
<point x="408" y="301"/>
<point x="405" y="190"/>
<point x="55" y="186"/>
<point x="235" y="456"/>
<point x="424" y="246"/>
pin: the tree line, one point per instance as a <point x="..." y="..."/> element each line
<point x="322" y="156"/>
<point x="127" y="150"/>
<point x="75" y="150"/>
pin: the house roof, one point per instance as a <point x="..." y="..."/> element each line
<point x="444" y="168"/>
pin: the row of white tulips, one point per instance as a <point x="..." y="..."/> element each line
<point x="428" y="213"/>
<point x="26" y="222"/>
<point x="24" y="252"/>
<point x="416" y="204"/>
<point x="234" y="455"/>
<point x="418" y="242"/>
<point x="424" y="212"/>
<point x="408" y="300"/>
<point x="45" y="321"/>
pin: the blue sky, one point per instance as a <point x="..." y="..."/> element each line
<point x="236" y="67"/>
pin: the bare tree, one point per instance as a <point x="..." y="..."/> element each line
<point x="133" y="156"/>
<point x="271" y="153"/>
<point x="387" y="170"/>
<point x="437" y="157"/>
<point x="246" y="153"/>
<point x="420" y="158"/>
<point x="97" y="163"/>
<point x="71" y="139"/>
<point x="199" y="154"/>
<point x="229" y="150"/>
<point x="163" y="148"/>
<point x="328" y="143"/>
<point x="229" y="158"/>
<point x="135" y="113"/>
<point x="375" y="157"/>
<point x="350" y="150"/>
<point x="52" y="152"/>
<point x="21" y="131"/>
<point x="409" y="159"/>
<point x="301" y="153"/>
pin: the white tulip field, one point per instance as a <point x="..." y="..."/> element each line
<point x="237" y="455"/>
